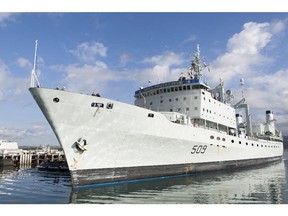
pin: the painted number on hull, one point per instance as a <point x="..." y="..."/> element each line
<point x="197" y="149"/>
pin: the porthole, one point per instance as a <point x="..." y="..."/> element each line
<point x="56" y="100"/>
<point x="246" y="143"/>
<point x="239" y="142"/>
<point x="223" y="139"/>
<point x="218" y="138"/>
<point x="232" y="141"/>
<point x="211" y="137"/>
<point x="252" y="144"/>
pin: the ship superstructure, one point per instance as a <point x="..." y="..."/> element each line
<point x="191" y="101"/>
<point x="174" y="128"/>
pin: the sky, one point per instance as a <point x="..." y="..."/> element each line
<point x="115" y="53"/>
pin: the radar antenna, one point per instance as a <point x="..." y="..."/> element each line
<point x="34" y="78"/>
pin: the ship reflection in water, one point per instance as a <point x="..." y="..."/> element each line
<point x="263" y="185"/>
<point x="266" y="184"/>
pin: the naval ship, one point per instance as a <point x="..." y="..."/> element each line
<point x="174" y="128"/>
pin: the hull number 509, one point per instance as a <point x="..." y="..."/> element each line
<point x="199" y="149"/>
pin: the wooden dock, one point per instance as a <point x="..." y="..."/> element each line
<point x="31" y="157"/>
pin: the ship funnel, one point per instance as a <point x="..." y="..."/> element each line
<point x="239" y="119"/>
<point x="270" y="126"/>
<point x="270" y="118"/>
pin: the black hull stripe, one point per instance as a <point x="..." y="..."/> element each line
<point x="114" y="175"/>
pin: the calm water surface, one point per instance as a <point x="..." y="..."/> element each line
<point x="263" y="185"/>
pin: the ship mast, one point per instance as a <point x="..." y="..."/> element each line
<point x="34" y="79"/>
<point x="195" y="69"/>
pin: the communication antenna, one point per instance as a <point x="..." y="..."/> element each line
<point x="33" y="72"/>
<point x="204" y="66"/>
<point x="141" y="88"/>
<point x="196" y="67"/>
<point x="242" y="86"/>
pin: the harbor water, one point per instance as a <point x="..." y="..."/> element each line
<point x="259" y="185"/>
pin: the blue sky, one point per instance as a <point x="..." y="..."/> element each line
<point x="116" y="53"/>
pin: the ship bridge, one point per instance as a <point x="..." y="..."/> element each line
<point x="191" y="97"/>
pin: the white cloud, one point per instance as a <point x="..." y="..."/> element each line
<point x="124" y="59"/>
<point x="162" y="68"/>
<point x="4" y="17"/>
<point x="167" y="58"/>
<point x="88" y="78"/>
<point x="87" y="52"/>
<point x="4" y="78"/>
<point x="244" y="50"/>
<point x="22" y="134"/>
<point x="269" y="90"/>
<point x="10" y="86"/>
<point x="191" y="38"/>
<point x="24" y="63"/>
<point x="253" y="38"/>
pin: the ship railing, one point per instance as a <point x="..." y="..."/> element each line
<point x="270" y="138"/>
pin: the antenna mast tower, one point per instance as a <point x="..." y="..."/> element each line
<point x="34" y="79"/>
